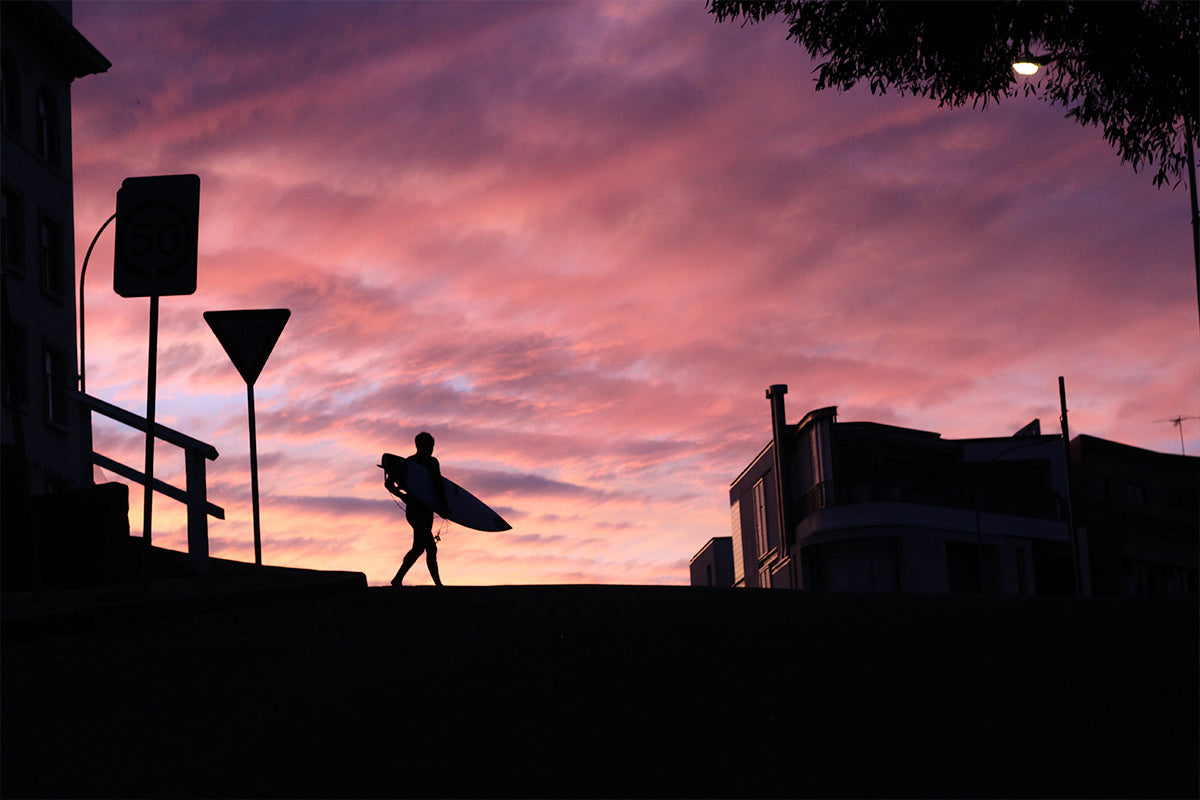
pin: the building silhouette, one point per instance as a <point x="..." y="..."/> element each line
<point x="861" y="506"/>
<point x="713" y="565"/>
<point x="1139" y="508"/>
<point x="42" y="55"/>
<point x="45" y="433"/>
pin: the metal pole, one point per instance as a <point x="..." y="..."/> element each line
<point x="148" y="494"/>
<point x="197" y="511"/>
<point x="82" y="275"/>
<point x="254" y="476"/>
<point x="1191" y="161"/>
<point x="1066" y="435"/>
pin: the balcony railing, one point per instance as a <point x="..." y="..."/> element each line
<point x="818" y="497"/>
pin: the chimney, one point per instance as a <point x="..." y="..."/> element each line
<point x="783" y="482"/>
<point x="775" y="394"/>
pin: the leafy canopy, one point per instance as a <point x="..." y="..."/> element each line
<point x="1129" y="67"/>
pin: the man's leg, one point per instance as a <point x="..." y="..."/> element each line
<point x="431" y="562"/>
<point x="421" y="522"/>
<point x="410" y="558"/>
<point x="412" y="555"/>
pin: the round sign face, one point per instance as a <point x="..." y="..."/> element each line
<point x="156" y="240"/>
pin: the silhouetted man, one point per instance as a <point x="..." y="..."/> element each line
<point x="419" y="515"/>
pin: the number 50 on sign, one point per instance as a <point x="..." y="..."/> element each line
<point x="157" y="227"/>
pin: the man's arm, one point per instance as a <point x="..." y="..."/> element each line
<point x="439" y="484"/>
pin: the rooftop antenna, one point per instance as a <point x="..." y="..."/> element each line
<point x="1178" y="423"/>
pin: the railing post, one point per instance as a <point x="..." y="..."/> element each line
<point x="197" y="509"/>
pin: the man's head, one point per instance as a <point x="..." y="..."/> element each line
<point x="424" y="443"/>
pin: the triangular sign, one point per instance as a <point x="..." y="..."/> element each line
<point x="248" y="336"/>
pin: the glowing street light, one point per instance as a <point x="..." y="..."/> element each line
<point x="1029" y="64"/>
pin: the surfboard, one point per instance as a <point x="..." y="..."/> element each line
<point x="463" y="508"/>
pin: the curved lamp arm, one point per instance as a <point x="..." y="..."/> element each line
<point x="82" y="275"/>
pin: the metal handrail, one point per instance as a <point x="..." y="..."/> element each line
<point x="168" y="435"/>
<point x="195" y="492"/>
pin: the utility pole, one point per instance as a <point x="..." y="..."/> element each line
<point x="1066" y="436"/>
<point x="1191" y="162"/>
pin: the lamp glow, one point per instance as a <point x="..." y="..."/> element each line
<point x="1026" y="67"/>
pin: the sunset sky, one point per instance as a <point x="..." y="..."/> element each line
<point x="576" y="242"/>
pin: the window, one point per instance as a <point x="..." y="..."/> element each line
<point x="50" y="257"/>
<point x="1135" y="493"/>
<point x="10" y="96"/>
<point x="16" y="371"/>
<point x="1146" y="579"/>
<point x="735" y="524"/>
<point x="760" y="518"/>
<point x="1180" y="581"/>
<point x="1022" y="571"/>
<point x="815" y="467"/>
<point x="54" y="384"/>
<point x="56" y="483"/>
<point x="12" y="231"/>
<point x="855" y="565"/>
<point x="48" y="138"/>
<point x="970" y="570"/>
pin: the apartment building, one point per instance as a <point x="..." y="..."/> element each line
<point x="42" y="54"/>
<point x="862" y="506"/>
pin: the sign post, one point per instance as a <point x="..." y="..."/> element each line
<point x="158" y="222"/>
<point x="248" y="338"/>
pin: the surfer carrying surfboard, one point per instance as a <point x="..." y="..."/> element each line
<point x="419" y="514"/>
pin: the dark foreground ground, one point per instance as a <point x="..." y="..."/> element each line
<point x="606" y="691"/>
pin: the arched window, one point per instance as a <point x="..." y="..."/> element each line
<point x="48" y="138"/>
<point x="10" y="96"/>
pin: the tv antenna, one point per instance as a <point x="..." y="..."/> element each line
<point x="1178" y="423"/>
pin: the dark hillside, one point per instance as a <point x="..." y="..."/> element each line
<point x="614" y="691"/>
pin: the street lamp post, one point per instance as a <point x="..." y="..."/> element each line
<point x="82" y="275"/>
<point x="1191" y="162"/>
<point x="1076" y="550"/>
<point x="1029" y="65"/>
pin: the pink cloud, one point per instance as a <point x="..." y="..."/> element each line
<point x="576" y="241"/>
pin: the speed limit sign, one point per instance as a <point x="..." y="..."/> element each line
<point x="157" y="224"/>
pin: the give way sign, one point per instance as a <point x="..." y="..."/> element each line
<point x="248" y="336"/>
